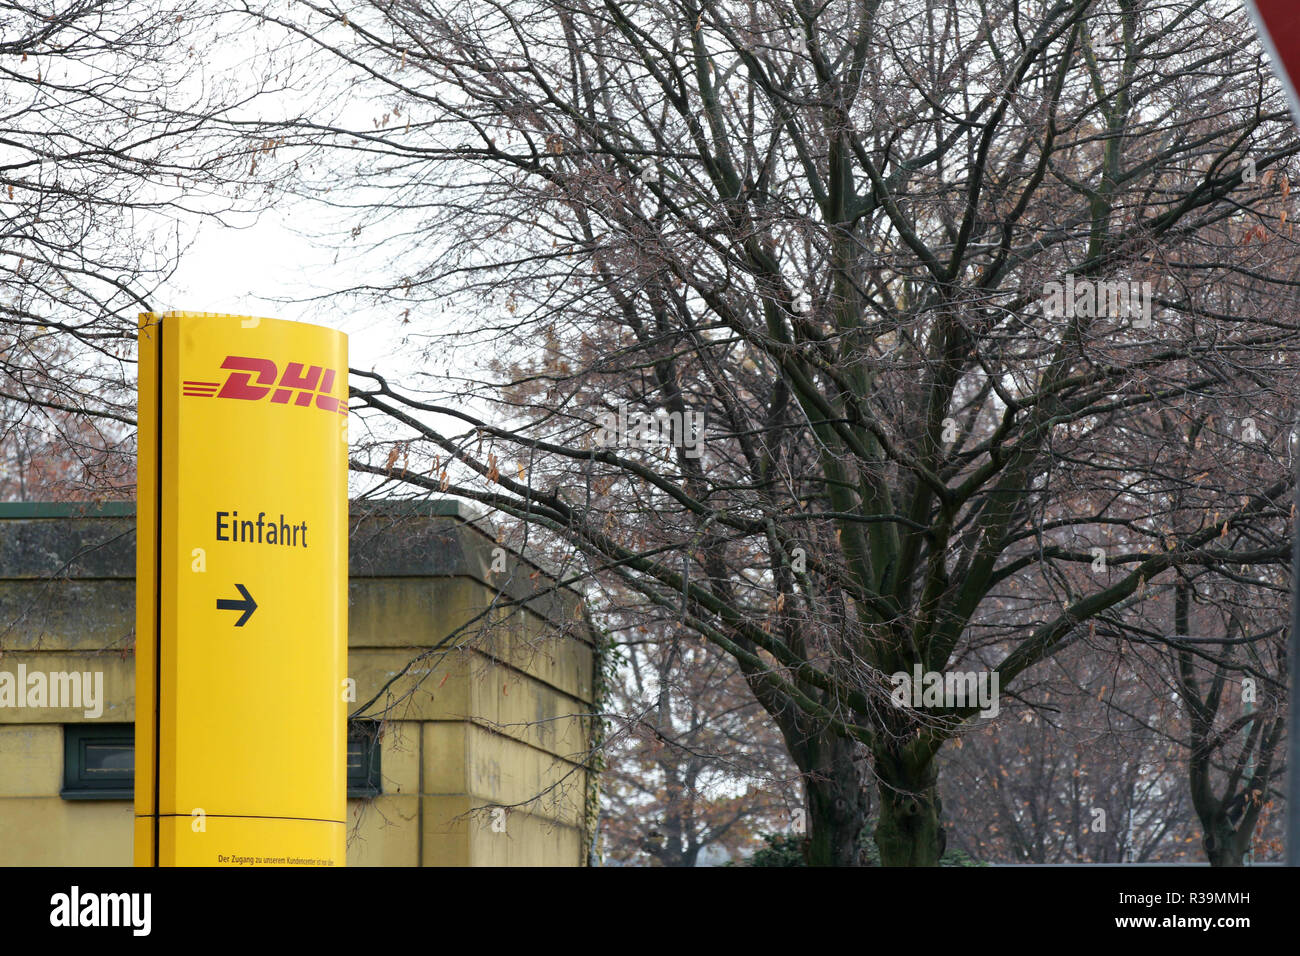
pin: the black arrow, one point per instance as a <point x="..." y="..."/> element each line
<point x="247" y="605"/>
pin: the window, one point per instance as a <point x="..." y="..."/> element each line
<point x="98" y="762"/>
<point x="363" y="758"/>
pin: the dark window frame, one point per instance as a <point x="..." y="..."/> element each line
<point x="78" y="783"/>
<point x="367" y="780"/>
<point x="364" y="783"/>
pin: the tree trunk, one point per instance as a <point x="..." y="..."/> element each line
<point x="837" y="801"/>
<point x="1225" y="846"/>
<point x="910" y="829"/>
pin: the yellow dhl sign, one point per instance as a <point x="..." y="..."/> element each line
<point x="241" y="598"/>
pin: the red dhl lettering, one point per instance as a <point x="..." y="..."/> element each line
<point x="254" y="379"/>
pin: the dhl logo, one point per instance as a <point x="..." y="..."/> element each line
<point x="300" y="385"/>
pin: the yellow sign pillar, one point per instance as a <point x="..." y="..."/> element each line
<point x="241" y="593"/>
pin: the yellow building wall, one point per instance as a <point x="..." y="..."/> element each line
<point x="486" y="711"/>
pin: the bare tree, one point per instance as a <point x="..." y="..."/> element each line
<point x="1086" y="765"/>
<point x="1234" y="691"/>
<point x="117" y="136"/>
<point x="930" y="274"/>
<point x="693" y="766"/>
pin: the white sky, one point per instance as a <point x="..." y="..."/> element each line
<point x="260" y="267"/>
<point x="245" y="271"/>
